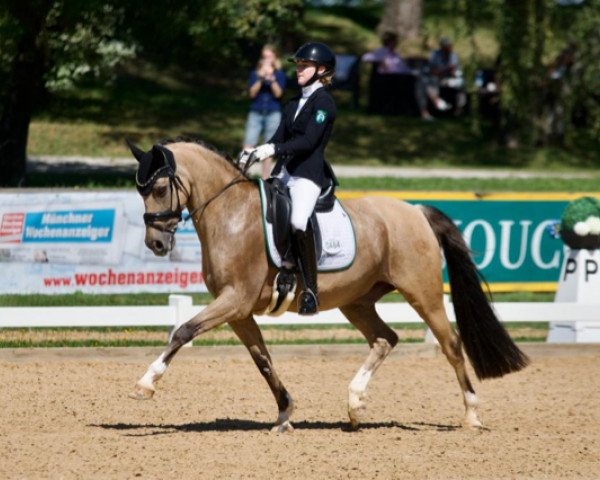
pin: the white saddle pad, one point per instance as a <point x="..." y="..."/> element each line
<point x="337" y="233"/>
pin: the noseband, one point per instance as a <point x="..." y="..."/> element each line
<point x="175" y="184"/>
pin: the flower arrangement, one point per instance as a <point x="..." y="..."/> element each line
<point x="580" y="223"/>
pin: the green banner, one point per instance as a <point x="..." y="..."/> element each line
<point x="510" y="240"/>
<point x="509" y="234"/>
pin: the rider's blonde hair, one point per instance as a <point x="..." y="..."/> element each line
<point x="327" y="79"/>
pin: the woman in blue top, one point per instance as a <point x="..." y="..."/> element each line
<point x="265" y="87"/>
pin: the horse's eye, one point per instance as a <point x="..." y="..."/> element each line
<point x="159" y="192"/>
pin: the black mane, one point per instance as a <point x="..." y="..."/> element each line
<point x="202" y="143"/>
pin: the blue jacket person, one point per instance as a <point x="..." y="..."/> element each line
<point x="299" y="146"/>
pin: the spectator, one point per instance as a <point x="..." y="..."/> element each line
<point x="388" y="62"/>
<point x="386" y="58"/>
<point x="445" y="72"/>
<point x="265" y="87"/>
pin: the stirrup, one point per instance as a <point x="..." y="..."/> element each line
<point x="308" y="303"/>
<point x="284" y="291"/>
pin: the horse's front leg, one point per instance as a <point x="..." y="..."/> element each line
<point x="248" y="332"/>
<point x="225" y="308"/>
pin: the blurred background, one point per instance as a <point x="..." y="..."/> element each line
<point x="78" y="77"/>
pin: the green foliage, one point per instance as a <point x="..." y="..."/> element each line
<point x="9" y="33"/>
<point x="229" y="31"/>
<point x="538" y="106"/>
<point x="519" y="28"/>
<point x="75" y="38"/>
<point x="585" y="76"/>
<point x="579" y="211"/>
<point x="90" y="44"/>
<point x="82" y="39"/>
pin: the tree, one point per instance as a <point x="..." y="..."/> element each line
<point x="538" y="105"/>
<point x="402" y="17"/>
<point x="48" y="45"/>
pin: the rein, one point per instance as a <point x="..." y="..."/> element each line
<point x="175" y="184"/>
<point x="240" y="178"/>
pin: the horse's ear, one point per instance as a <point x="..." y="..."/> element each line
<point x="135" y="150"/>
<point x="162" y="156"/>
<point x="158" y="155"/>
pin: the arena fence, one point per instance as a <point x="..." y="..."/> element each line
<point x="569" y="322"/>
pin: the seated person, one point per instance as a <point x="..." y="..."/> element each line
<point x="388" y="62"/>
<point x="387" y="59"/>
<point x="445" y="72"/>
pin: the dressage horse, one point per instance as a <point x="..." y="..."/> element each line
<point x="398" y="248"/>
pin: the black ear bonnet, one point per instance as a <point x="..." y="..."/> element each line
<point x="156" y="163"/>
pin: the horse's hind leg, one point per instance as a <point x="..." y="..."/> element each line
<point x="248" y="332"/>
<point x="430" y="306"/>
<point x="381" y="339"/>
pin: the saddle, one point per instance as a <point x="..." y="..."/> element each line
<point x="279" y="214"/>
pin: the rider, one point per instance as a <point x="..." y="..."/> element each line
<point x="298" y="145"/>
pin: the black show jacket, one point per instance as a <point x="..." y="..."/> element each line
<point x="300" y="144"/>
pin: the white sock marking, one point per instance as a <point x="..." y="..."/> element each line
<point x="471" y="400"/>
<point x="155" y="371"/>
<point x="361" y="380"/>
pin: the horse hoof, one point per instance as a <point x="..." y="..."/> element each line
<point x="473" y="423"/>
<point x="354" y="424"/>
<point x="285" y="427"/>
<point x="356" y="410"/>
<point x="141" y="393"/>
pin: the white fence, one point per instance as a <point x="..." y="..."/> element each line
<point x="569" y="322"/>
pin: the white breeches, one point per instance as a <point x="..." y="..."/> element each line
<point x="304" y="194"/>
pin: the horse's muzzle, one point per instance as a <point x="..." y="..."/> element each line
<point x="161" y="243"/>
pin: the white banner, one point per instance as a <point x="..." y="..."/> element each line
<point x="91" y="242"/>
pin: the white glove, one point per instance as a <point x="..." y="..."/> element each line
<point x="264" y="151"/>
<point x="243" y="157"/>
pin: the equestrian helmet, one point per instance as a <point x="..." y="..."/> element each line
<point x="316" y="52"/>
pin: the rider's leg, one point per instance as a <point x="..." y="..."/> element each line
<point x="304" y="194"/>
<point x="308" y="301"/>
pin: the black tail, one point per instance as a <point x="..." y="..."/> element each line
<point x="489" y="347"/>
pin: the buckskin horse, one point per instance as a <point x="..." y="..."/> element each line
<point x="399" y="247"/>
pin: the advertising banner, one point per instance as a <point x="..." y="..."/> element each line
<point x="510" y="234"/>
<point x="91" y="242"/>
<point x="94" y="241"/>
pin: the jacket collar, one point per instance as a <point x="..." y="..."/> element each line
<point x="310" y="89"/>
<point x="309" y="100"/>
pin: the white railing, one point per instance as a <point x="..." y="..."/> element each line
<point x="570" y="322"/>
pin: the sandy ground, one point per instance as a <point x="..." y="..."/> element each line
<point x="64" y="414"/>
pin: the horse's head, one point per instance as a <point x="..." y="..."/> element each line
<point x="164" y="195"/>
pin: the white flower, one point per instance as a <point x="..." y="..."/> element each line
<point x="593" y="224"/>
<point x="581" y="228"/>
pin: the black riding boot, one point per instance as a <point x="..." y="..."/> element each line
<point x="308" y="301"/>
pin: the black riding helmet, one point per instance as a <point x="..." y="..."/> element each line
<point x="319" y="53"/>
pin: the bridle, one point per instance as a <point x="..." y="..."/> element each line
<point x="175" y="185"/>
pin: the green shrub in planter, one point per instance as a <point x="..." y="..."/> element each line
<point x="580" y="224"/>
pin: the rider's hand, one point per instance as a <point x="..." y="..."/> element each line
<point x="264" y="151"/>
<point x="244" y="156"/>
